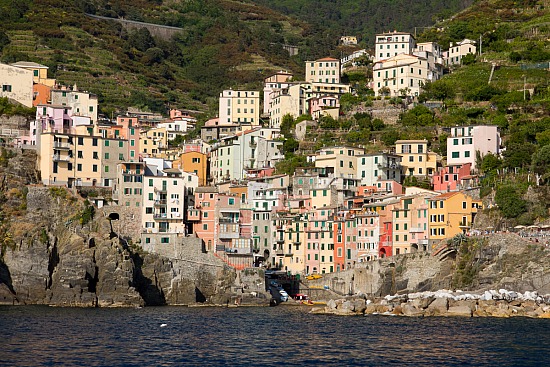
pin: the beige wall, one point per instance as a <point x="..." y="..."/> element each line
<point x="16" y="84"/>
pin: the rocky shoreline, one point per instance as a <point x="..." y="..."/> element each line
<point x="502" y="303"/>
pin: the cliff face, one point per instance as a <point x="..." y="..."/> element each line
<point x="53" y="258"/>
<point x="499" y="261"/>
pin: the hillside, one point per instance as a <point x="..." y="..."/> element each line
<point x="222" y="44"/>
<point x="365" y="18"/>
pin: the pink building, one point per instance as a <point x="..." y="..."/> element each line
<point x="368" y="235"/>
<point x="450" y="178"/>
<point x="318" y="104"/>
<point x="203" y="216"/>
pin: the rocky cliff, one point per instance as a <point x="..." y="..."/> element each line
<point x="58" y="253"/>
<point x="497" y="261"/>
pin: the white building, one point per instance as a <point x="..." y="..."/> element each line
<point x="373" y="168"/>
<point x="465" y="141"/>
<point x="392" y="44"/>
<point x="177" y="127"/>
<point x="82" y="103"/>
<point x="400" y="75"/>
<point x="16" y="84"/>
<point x="238" y="106"/>
<point x="291" y="100"/>
<point x="165" y="199"/>
<point x="459" y="50"/>
<point x="273" y="85"/>
<point x="252" y="149"/>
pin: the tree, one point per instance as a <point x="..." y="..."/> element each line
<point x="287" y="126"/>
<point x="541" y="161"/>
<point x="510" y="202"/>
<point x="389" y="137"/>
<point x="468" y="59"/>
<point x="488" y="163"/>
<point x="141" y="39"/>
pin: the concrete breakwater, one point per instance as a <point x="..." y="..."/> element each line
<point x="502" y="303"/>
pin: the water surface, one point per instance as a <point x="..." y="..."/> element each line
<point x="277" y="336"/>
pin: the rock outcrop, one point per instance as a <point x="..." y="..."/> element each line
<point x="444" y="303"/>
<point x="62" y="260"/>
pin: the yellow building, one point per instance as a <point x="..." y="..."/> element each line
<point x="195" y="162"/>
<point x="449" y="214"/>
<point x="80" y="156"/>
<point x="416" y="160"/>
<point x="237" y="106"/>
<point x="326" y="70"/>
<point x="153" y="142"/>
<point x="294" y="247"/>
<point x="342" y="159"/>
<point x="39" y="72"/>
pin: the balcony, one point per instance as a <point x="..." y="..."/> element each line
<point x="61" y="145"/>
<point x="280" y="240"/>
<point x="161" y="190"/>
<point x="228" y="220"/>
<point x="232" y="251"/>
<point x="253" y="144"/>
<point x="166" y="216"/>
<point x="465" y="224"/>
<point x="280" y="253"/>
<point x="229" y="235"/>
<point x="160" y="202"/>
<point x="423" y="242"/>
<point x="58" y="158"/>
<point x="416" y="230"/>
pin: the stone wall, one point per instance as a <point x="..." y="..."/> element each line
<point x="128" y="224"/>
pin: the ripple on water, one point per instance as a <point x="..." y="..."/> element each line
<point x="280" y="336"/>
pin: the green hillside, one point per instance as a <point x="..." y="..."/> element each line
<point x="365" y="18"/>
<point x="222" y="44"/>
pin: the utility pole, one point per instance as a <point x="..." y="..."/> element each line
<point x="480" y="44"/>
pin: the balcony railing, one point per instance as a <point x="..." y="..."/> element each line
<point x="58" y="158"/>
<point x="160" y="190"/>
<point x="416" y="230"/>
<point x="61" y="145"/>
<point x="160" y="202"/>
<point x="229" y="234"/>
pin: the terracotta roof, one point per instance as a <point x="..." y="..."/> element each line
<point x="327" y="59"/>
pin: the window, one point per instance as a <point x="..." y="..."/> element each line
<point x="165" y="240"/>
<point x="106" y="169"/>
<point x="94" y="168"/>
<point x="467" y="154"/>
<point x="205" y="227"/>
<point x="231" y="201"/>
<point x="455" y="154"/>
<point x="79" y="167"/>
<point x="94" y="142"/>
<point x="106" y="155"/>
<point x="6" y="88"/>
<point x="80" y="154"/>
<point x="80" y="142"/>
<point x="106" y="143"/>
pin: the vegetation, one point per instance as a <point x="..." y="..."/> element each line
<point x="467" y="265"/>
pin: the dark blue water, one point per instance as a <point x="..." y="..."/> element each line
<point x="279" y="336"/>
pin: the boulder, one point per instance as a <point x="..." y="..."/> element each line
<point x="410" y="310"/>
<point x="438" y="307"/>
<point x="460" y="310"/>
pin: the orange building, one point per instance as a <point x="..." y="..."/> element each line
<point x="195" y="162"/>
<point x="450" y="214"/>
<point x="42" y="94"/>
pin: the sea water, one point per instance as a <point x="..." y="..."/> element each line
<point x="269" y="336"/>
